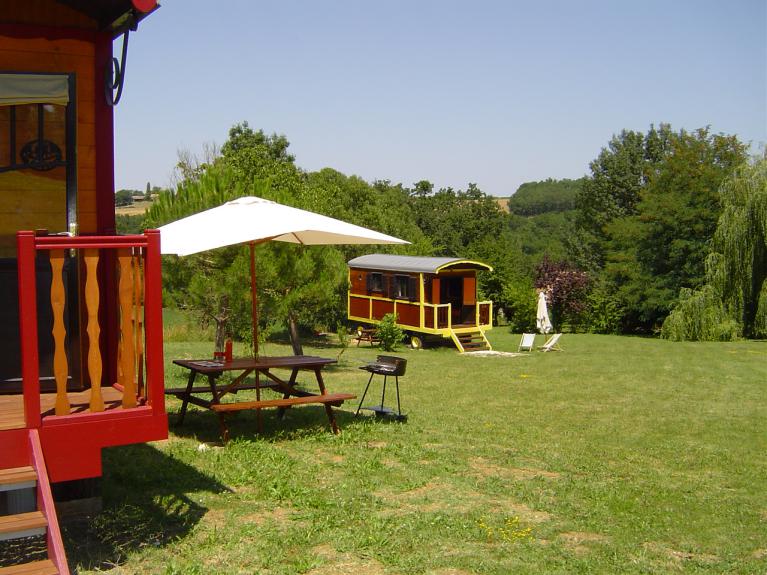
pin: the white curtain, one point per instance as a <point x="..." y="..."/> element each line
<point x="19" y="89"/>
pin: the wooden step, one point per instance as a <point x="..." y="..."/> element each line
<point x="45" y="567"/>
<point x="17" y="478"/>
<point x="22" y="525"/>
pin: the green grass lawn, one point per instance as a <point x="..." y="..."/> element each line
<point x="617" y="455"/>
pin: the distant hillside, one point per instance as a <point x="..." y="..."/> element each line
<point x="533" y="198"/>
<point x="135" y="209"/>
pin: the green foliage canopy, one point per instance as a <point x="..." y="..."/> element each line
<point x="734" y="299"/>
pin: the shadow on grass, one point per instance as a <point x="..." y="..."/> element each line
<point x="298" y="422"/>
<point x="146" y="503"/>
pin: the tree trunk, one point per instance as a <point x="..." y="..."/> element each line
<point x="295" y="340"/>
<point x="220" y="333"/>
<point x="221" y="323"/>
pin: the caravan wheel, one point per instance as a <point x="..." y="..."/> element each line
<point x="416" y="341"/>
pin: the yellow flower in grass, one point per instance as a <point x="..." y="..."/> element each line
<point x="511" y="531"/>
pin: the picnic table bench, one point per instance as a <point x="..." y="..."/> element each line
<point x="262" y="366"/>
<point x="367" y="334"/>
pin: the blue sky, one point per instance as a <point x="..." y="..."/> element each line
<point x="492" y="92"/>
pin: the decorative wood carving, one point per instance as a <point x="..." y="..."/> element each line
<point x="91" y="258"/>
<point x="127" y="341"/>
<point x="58" y="301"/>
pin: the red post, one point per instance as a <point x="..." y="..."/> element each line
<point x="254" y="299"/>
<point x="30" y="366"/>
<point x="153" y="323"/>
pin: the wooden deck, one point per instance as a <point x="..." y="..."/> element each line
<point x="12" y="406"/>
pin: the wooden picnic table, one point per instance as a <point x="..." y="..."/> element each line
<point x="263" y="366"/>
<point x="367" y="334"/>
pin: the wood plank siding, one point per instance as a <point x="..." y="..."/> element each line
<point x="66" y="56"/>
<point x="42" y="13"/>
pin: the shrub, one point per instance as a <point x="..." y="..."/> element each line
<point x="699" y="316"/>
<point x="604" y="310"/>
<point x="520" y="305"/>
<point x="389" y="332"/>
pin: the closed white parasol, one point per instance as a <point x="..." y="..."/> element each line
<point x="542" y="321"/>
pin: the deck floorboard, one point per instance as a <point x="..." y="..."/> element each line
<point x="12" y="406"/>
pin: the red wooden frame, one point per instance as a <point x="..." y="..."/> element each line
<point x="73" y="443"/>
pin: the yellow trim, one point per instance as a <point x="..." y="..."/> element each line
<point x="446" y="332"/>
<point x="421" y="302"/>
<point x="471" y="262"/>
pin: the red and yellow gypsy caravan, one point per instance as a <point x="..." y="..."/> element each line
<point x="430" y="297"/>
<point x="81" y="364"/>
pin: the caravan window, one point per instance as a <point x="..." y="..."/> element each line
<point x="375" y="282"/>
<point x="401" y="284"/>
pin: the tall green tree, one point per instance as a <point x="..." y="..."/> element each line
<point x="662" y="247"/>
<point x="533" y="198"/>
<point x="453" y="220"/>
<point x="646" y="216"/>
<point x="734" y="299"/>
<point x="614" y="188"/>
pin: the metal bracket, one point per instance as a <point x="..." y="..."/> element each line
<point x="114" y="78"/>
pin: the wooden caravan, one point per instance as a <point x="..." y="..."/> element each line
<point x="430" y="297"/>
<point x="81" y="364"/>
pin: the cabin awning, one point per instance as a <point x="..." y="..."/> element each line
<point x="20" y="89"/>
<point x="114" y="15"/>
<point x="414" y="264"/>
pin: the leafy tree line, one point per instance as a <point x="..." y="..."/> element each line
<point x="532" y="198"/>
<point x="613" y="250"/>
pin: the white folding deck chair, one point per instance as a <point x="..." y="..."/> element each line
<point x="551" y="343"/>
<point x="527" y="342"/>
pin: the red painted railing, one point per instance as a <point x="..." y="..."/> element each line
<point x="131" y="346"/>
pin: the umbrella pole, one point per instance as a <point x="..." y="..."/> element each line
<point x="254" y="310"/>
<point x="254" y="297"/>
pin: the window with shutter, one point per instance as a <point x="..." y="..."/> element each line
<point x="412" y="288"/>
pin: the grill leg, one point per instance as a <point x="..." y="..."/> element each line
<point x="383" y="394"/>
<point x="399" y="409"/>
<point x="363" y="395"/>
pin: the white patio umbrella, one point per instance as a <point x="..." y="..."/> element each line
<point x="251" y="220"/>
<point x="542" y="321"/>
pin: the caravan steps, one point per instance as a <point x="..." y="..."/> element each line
<point x="17" y="478"/>
<point x="22" y="525"/>
<point x="30" y="539"/>
<point x="472" y="341"/>
<point x="45" y="567"/>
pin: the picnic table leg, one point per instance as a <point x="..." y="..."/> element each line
<point x="259" y="422"/>
<point x="216" y="400"/>
<point x="328" y="408"/>
<point x="224" y="429"/>
<point x="286" y="393"/>
<point x="185" y="400"/>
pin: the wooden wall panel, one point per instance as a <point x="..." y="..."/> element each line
<point x="381" y="308"/>
<point x="469" y="290"/>
<point x="435" y="291"/>
<point x="42" y="13"/>
<point x="428" y="317"/>
<point x="408" y="314"/>
<point x="358" y="279"/>
<point x="63" y="56"/>
<point x="359" y="307"/>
